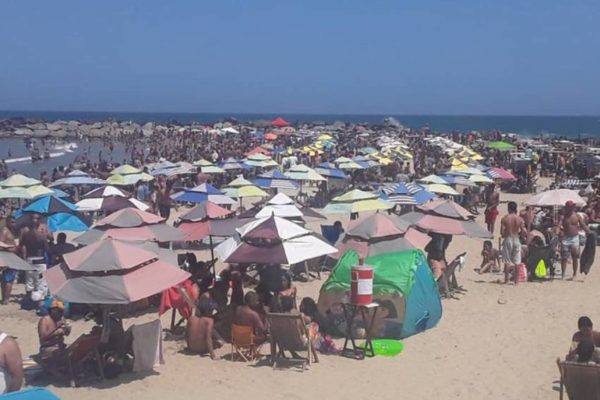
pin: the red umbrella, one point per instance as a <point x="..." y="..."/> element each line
<point x="270" y="136"/>
<point x="259" y="150"/>
<point x="279" y="122"/>
<point x="112" y="273"/>
<point x="501" y="173"/>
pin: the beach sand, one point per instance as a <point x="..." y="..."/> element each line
<point x="481" y="349"/>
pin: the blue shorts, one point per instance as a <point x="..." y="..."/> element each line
<point x="9" y="275"/>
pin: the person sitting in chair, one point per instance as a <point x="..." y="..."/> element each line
<point x="585" y="332"/>
<point x="52" y="330"/>
<point x="246" y="315"/>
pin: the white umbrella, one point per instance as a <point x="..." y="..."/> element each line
<point x="555" y="198"/>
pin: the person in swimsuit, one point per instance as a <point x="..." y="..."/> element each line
<point x="512" y="228"/>
<point x="7" y="236"/>
<point x="491" y="210"/>
<point x="570" y="226"/>
<point x="11" y="365"/>
<point x="34" y="245"/>
<point x="201" y="336"/>
<point x="52" y="329"/>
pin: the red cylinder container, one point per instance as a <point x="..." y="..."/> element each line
<point x="361" y="285"/>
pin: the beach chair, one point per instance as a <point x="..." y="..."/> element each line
<point x="243" y="343"/>
<point x="581" y="381"/>
<point x="64" y="364"/>
<point x="289" y="332"/>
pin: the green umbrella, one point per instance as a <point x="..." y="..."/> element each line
<point x="500" y="145"/>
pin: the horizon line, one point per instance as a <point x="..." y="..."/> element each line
<point x="305" y="113"/>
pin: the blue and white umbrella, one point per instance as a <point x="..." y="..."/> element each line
<point x="275" y="180"/>
<point x="406" y="194"/>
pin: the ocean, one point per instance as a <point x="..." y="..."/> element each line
<point x="570" y="126"/>
<point x="63" y="154"/>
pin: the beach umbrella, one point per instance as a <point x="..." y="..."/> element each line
<point x="480" y="179"/>
<point x="500" y="173"/>
<point x="406" y="193"/>
<point x="9" y="259"/>
<point x="66" y="222"/>
<point x="378" y="234"/>
<point x="18" y="180"/>
<point x="279" y="122"/>
<point x="445" y="225"/>
<point x="232" y="164"/>
<point x="244" y="191"/>
<point x="459" y="180"/>
<point x="53" y="192"/>
<point x="270" y="136"/>
<point x="128" y="179"/>
<point x="202" y="193"/>
<point x="77" y="178"/>
<point x="112" y="272"/>
<point x="27" y="193"/>
<point x="441" y="189"/>
<point x="275" y="180"/>
<point x="331" y="173"/>
<point x="202" y="163"/>
<point x="500" y="145"/>
<point x="555" y="198"/>
<point x="125" y="169"/>
<point x="239" y="182"/>
<point x="434" y="179"/>
<point x="49" y="205"/>
<point x="447" y="208"/>
<point x="357" y="206"/>
<point x="110" y="204"/>
<point x="206" y="210"/>
<point x="282" y="206"/>
<point x="259" y="150"/>
<point x="274" y="241"/>
<point x="301" y="172"/>
<point x="346" y="163"/>
<point x="212" y="169"/>
<point x="129" y="218"/>
<point x="260" y="161"/>
<point x="105" y="191"/>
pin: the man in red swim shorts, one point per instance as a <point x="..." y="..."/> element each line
<point x="492" y="199"/>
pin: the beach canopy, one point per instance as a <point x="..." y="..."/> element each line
<point x="112" y="272"/>
<point x="555" y="198"/>
<point x="18" y="180"/>
<point x="500" y="145"/>
<point x="403" y="284"/>
<point x="441" y="189"/>
<point x="279" y="122"/>
<point x="110" y="204"/>
<point x="406" y="194"/>
<point x="9" y="259"/>
<point x="26" y="193"/>
<point x="273" y="241"/>
<point x="105" y="191"/>
<point x="301" y="172"/>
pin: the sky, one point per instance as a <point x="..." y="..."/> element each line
<point x="476" y="57"/>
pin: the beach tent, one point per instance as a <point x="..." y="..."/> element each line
<point x="403" y="286"/>
<point x="279" y="122"/>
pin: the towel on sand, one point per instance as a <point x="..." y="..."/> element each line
<point x="147" y="346"/>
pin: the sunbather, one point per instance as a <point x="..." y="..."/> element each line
<point x="200" y="335"/>
<point x="246" y="315"/>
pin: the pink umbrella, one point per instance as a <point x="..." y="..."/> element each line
<point x="446" y="208"/>
<point x="111" y="272"/>
<point x="501" y="173"/>
<point x="156" y="233"/>
<point x="445" y="225"/>
<point x="128" y="218"/>
<point x="410" y="240"/>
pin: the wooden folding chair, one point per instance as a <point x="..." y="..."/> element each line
<point x="580" y="381"/>
<point x="288" y="332"/>
<point x="64" y="363"/>
<point x="243" y="343"/>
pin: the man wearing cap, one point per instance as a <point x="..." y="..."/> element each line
<point x="570" y="226"/>
<point x="52" y="329"/>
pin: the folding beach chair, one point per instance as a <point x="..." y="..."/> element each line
<point x="243" y="343"/>
<point x="581" y="381"/>
<point x="288" y="332"/>
<point x="64" y="364"/>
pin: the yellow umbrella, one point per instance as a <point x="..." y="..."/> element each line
<point x="39" y="190"/>
<point x="441" y="189"/>
<point x="129" y="179"/>
<point x="458" y="165"/>
<point x="244" y="191"/>
<point x="125" y="170"/>
<point x="202" y="163"/>
<point x="480" y="179"/>
<point x="19" y="180"/>
<point x="325" y="137"/>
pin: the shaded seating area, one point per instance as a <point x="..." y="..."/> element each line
<point x="289" y="333"/>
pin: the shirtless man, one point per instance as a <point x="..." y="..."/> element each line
<point x="11" y="365"/>
<point x="34" y="246"/>
<point x="492" y="198"/>
<point x="200" y="334"/>
<point x="512" y="228"/>
<point x="570" y="225"/>
<point x="9" y="275"/>
<point x="246" y="316"/>
<point x="52" y="329"/>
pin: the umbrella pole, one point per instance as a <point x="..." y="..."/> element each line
<point x="212" y="255"/>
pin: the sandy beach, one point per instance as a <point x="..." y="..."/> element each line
<point x="482" y="348"/>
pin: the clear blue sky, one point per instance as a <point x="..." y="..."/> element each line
<point x="325" y="56"/>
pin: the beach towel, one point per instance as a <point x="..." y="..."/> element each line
<point x="147" y="346"/>
<point x="172" y="298"/>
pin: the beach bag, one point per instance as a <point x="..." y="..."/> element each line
<point x="540" y="270"/>
<point x="522" y="270"/>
